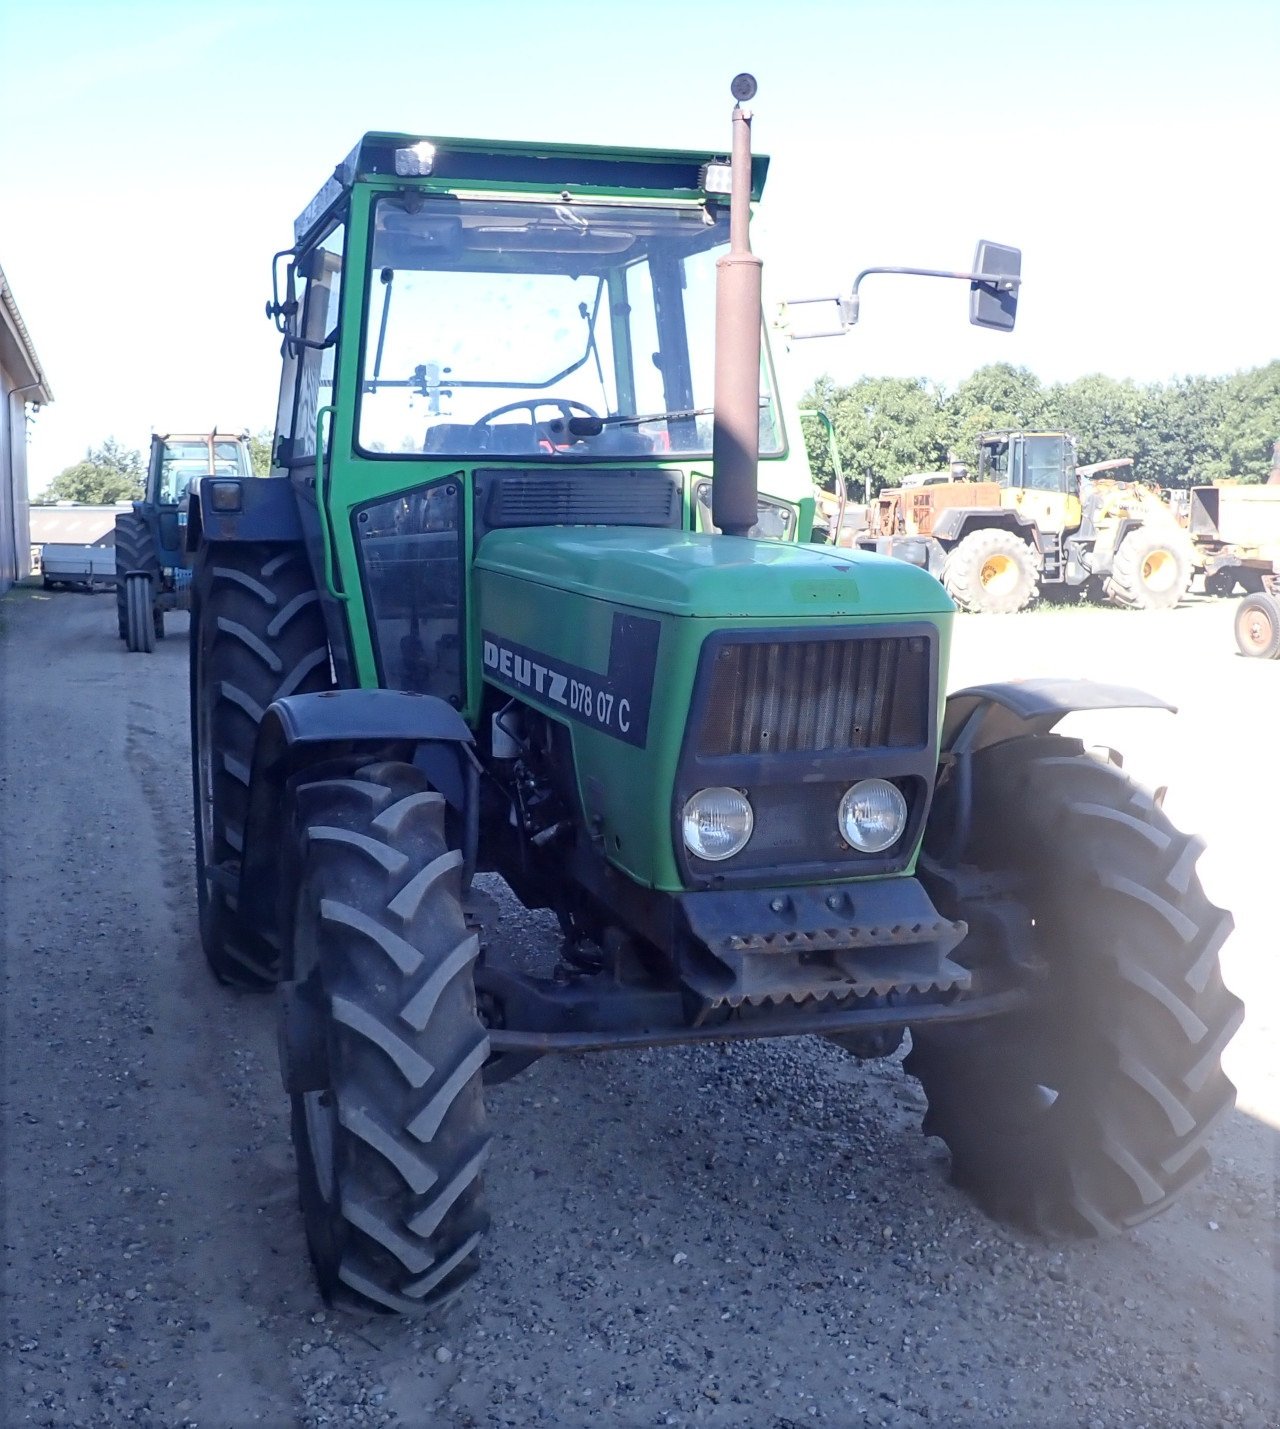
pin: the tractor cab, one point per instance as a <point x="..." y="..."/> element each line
<point x="483" y="337"/>
<point x="176" y="462"/>
<point x="152" y="574"/>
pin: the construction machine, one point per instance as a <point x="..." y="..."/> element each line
<point x="481" y="618"/>
<point x="1033" y="523"/>
<point x="152" y="574"/>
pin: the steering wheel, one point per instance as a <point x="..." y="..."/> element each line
<point x="564" y="405"/>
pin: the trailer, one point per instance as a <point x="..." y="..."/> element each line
<point x="82" y="567"/>
<point x="1236" y="531"/>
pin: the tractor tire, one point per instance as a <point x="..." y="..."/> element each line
<point x="134" y="552"/>
<point x="991" y="572"/>
<point x="140" y="627"/>
<point x="1152" y="569"/>
<point x="257" y="634"/>
<point x="382" y="1048"/>
<point x="1090" y="1109"/>
<point x="1258" y="626"/>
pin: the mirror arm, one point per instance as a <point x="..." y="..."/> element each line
<point x="997" y="282"/>
<point x="848" y="306"/>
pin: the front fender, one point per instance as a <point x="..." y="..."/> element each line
<point x="984" y="715"/>
<point x="989" y="714"/>
<point x="957" y="522"/>
<point x="306" y="732"/>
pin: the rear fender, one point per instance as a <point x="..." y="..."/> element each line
<point x="983" y="715"/>
<point x="954" y="524"/>
<point x="302" y="736"/>
<point x="268" y="512"/>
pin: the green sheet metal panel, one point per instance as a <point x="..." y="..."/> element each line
<point x="725" y="578"/>
<point x="551" y="608"/>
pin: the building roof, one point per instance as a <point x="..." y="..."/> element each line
<point x="17" y="352"/>
<point x="75" y="525"/>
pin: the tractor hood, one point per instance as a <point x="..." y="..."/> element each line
<point x="715" y="577"/>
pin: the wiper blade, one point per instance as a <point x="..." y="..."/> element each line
<point x="635" y="421"/>
<point x="593" y="426"/>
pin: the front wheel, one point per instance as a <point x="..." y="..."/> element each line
<point x="381" y="1045"/>
<point x="134" y="552"/>
<point x="140" y="626"/>
<point x="991" y="572"/>
<point x="1152" y="569"/>
<point x="1258" y="626"/>
<point x="1090" y="1110"/>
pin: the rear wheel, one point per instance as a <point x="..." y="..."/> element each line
<point x="1152" y="569"/>
<point x="991" y="572"/>
<point x="134" y="552"/>
<point x="1258" y="626"/>
<point x="1090" y="1110"/>
<point x="382" y="1047"/>
<point x="257" y="634"/>
<point x="139" y="602"/>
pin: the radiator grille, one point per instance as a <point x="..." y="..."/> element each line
<point x="779" y="697"/>
<point x="583" y="498"/>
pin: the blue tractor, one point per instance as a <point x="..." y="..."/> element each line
<point x="152" y="574"/>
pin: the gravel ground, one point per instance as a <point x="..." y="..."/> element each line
<point x="754" y="1235"/>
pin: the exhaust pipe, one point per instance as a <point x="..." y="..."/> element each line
<point x="735" y="441"/>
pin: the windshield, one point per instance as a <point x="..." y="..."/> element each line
<point x="184" y="460"/>
<point x="554" y="330"/>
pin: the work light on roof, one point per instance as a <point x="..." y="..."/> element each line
<point x="416" y="161"/>
<point x="717" y="178"/>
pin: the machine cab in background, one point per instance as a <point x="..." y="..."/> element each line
<point x="175" y="463"/>
<point x="1037" y="471"/>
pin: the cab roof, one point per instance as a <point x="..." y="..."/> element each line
<point x="523" y="167"/>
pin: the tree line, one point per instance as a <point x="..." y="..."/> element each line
<point x="1189" y="432"/>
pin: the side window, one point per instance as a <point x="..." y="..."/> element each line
<point x="321" y="270"/>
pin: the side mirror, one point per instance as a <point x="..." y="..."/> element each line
<point x="278" y="310"/>
<point x="994" y="304"/>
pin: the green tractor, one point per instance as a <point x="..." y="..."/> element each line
<point x="500" y="609"/>
<point x="152" y="574"/>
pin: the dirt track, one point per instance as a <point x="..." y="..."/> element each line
<point x="750" y="1236"/>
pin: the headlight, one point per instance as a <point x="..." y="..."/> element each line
<point x="717" y="823"/>
<point x="872" y="815"/>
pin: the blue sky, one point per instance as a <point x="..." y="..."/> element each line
<point x="153" y="156"/>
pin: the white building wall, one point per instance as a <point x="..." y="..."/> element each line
<point x="22" y="384"/>
<point x="13" y="485"/>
